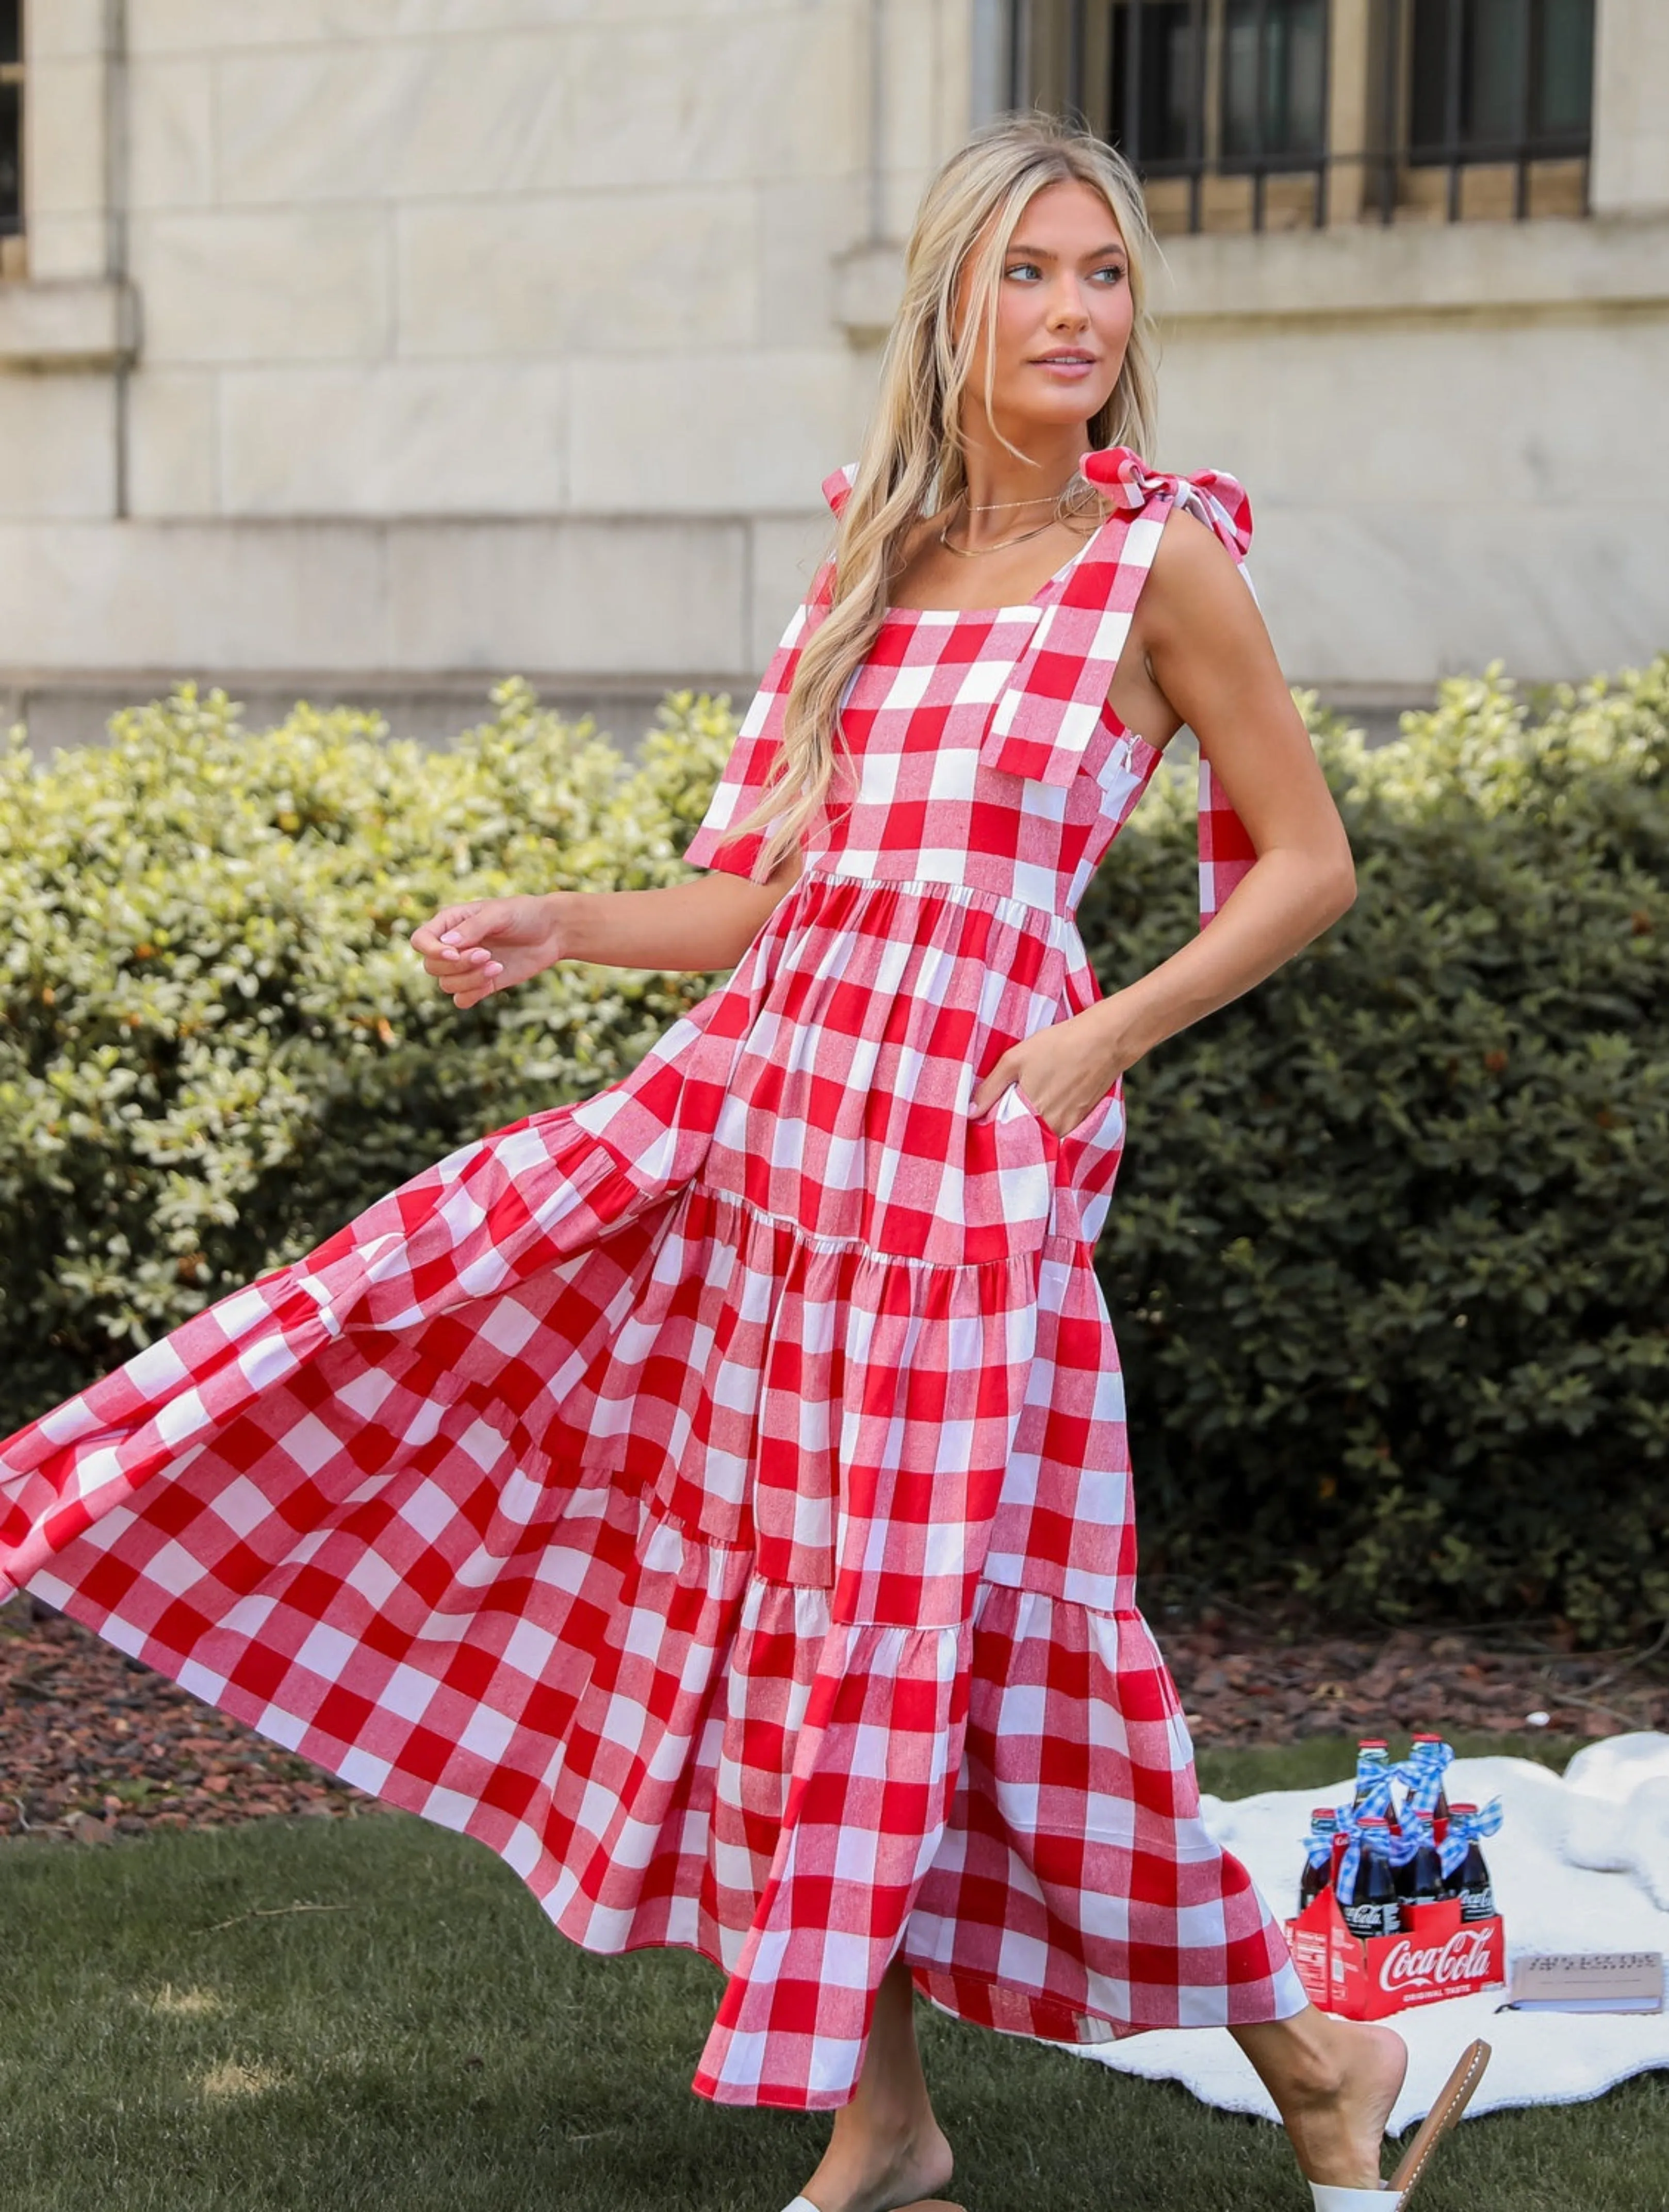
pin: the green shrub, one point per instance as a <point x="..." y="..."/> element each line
<point x="1389" y="1255"/>
<point x="214" y="1043"/>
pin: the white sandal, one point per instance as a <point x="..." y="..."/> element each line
<point x="1392" y="2195"/>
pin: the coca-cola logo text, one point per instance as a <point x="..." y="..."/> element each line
<point x="1464" y="1957"/>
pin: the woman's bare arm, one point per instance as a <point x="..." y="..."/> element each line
<point x="1206" y="649"/>
<point x="486" y="945"/>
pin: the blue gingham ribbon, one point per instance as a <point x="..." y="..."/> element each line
<point x="1350" y="1826"/>
<point x="1399" y="1845"/>
<point x="1377" y="1797"/>
<point x="1464" y="1828"/>
<point x="1318" y="1848"/>
<point x="1422" y="1775"/>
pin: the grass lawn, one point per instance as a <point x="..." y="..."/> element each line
<point x="171" y="2040"/>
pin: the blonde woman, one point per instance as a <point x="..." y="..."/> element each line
<point x="714" y="1496"/>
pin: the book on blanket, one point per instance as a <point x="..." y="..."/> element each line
<point x="1587" y="1981"/>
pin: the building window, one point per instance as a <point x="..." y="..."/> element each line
<point x="1233" y="115"/>
<point x="1507" y="84"/>
<point x="11" y="139"/>
<point x="1274" y="87"/>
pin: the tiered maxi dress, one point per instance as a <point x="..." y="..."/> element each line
<point x="713" y="1496"/>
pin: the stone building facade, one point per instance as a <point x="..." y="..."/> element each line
<point x="371" y="348"/>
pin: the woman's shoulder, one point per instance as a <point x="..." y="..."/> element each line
<point x="1211" y="496"/>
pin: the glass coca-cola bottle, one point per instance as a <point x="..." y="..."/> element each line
<point x="1420" y="1877"/>
<point x="1428" y="1758"/>
<point x="1371" y="1906"/>
<point x="1318" y="1855"/>
<point x="1471" y="1880"/>
<point x="1373" y="1776"/>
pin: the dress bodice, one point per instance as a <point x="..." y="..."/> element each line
<point x="982" y="751"/>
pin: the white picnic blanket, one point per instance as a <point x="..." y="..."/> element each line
<point x="1581" y="1863"/>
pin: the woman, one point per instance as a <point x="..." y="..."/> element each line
<point x="713" y="1496"/>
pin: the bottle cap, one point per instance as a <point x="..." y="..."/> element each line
<point x="1458" y="1807"/>
<point x="1373" y="1820"/>
<point x="1426" y="1735"/>
<point x="1324" y="1813"/>
<point x="1373" y="1743"/>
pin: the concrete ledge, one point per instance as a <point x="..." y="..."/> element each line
<point x="58" y="710"/>
<point x="1363" y="270"/>
<point x="1353" y="272"/>
<point x="86" y="325"/>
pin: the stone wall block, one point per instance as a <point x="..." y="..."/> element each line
<point x="171" y="161"/>
<point x="578" y="272"/>
<point x="786" y="549"/>
<point x="1631" y="107"/>
<point x="744" y="433"/>
<point x="1367" y="596"/>
<point x="662" y="600"/>
<point x="198" y="25"/>
<point x="55" y="29"/>
<point x="300" y="285"/>
<point x="402" y="438"/>
<point x="176" y="598"/>
<point x="66" y="136"/>
<point x="760" y="96"/>
<point x="805" y="226"/>
<point x="1532" y="415"/>
<point x="64" y="247"/>
<point x="403" y="119"/>
<point x="173" y="444"/>
<point x="55" y="433"/>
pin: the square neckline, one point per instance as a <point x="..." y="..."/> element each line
<point x="1018" y="609"/>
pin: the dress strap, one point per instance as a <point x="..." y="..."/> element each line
<point x="837" y="488"/>
<point x="1052" y="703"/>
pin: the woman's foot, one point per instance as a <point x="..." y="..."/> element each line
<point x="864" y="2171"/>
<point x="1334" y="2083"/>
<point x="887" y="2153"/>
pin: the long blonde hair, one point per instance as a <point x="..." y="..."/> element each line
<point x="912" y="461"/>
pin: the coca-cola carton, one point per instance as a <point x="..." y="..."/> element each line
<point x="1435" y="1955"/>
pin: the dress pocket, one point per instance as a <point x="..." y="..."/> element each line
<point x="1102" y="1124"/>
<point x="1104" y="1119"/>
<point x="1008" y="1178"/>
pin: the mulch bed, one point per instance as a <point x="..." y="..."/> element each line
<point x="1244" y="1681"/>
<point x="94" y="1745"/>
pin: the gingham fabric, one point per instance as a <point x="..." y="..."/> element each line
<point x="713" y="1496"/>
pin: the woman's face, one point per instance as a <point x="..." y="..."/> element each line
<point x="1064" y="314"/>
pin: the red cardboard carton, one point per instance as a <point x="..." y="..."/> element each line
<point x="1438" y="1955"/>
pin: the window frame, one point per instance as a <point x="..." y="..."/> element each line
<point x="13" y="228"/>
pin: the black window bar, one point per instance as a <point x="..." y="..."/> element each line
<point x="1193" y="90"/>
<point x="11" y="118"/>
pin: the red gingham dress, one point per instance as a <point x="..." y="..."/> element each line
<point x="713" y="1496"/>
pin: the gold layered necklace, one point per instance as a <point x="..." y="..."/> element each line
<point x="1002" y="544"/>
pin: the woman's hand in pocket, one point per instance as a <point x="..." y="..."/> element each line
<point x="1063" y="1071"/>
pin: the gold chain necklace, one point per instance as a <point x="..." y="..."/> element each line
<point x="973" y="552"/>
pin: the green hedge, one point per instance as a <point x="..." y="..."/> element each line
<point x="1390" y="1250"/>
<point x="1388" y="1255"/>
<point x="215" y="1044"/>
